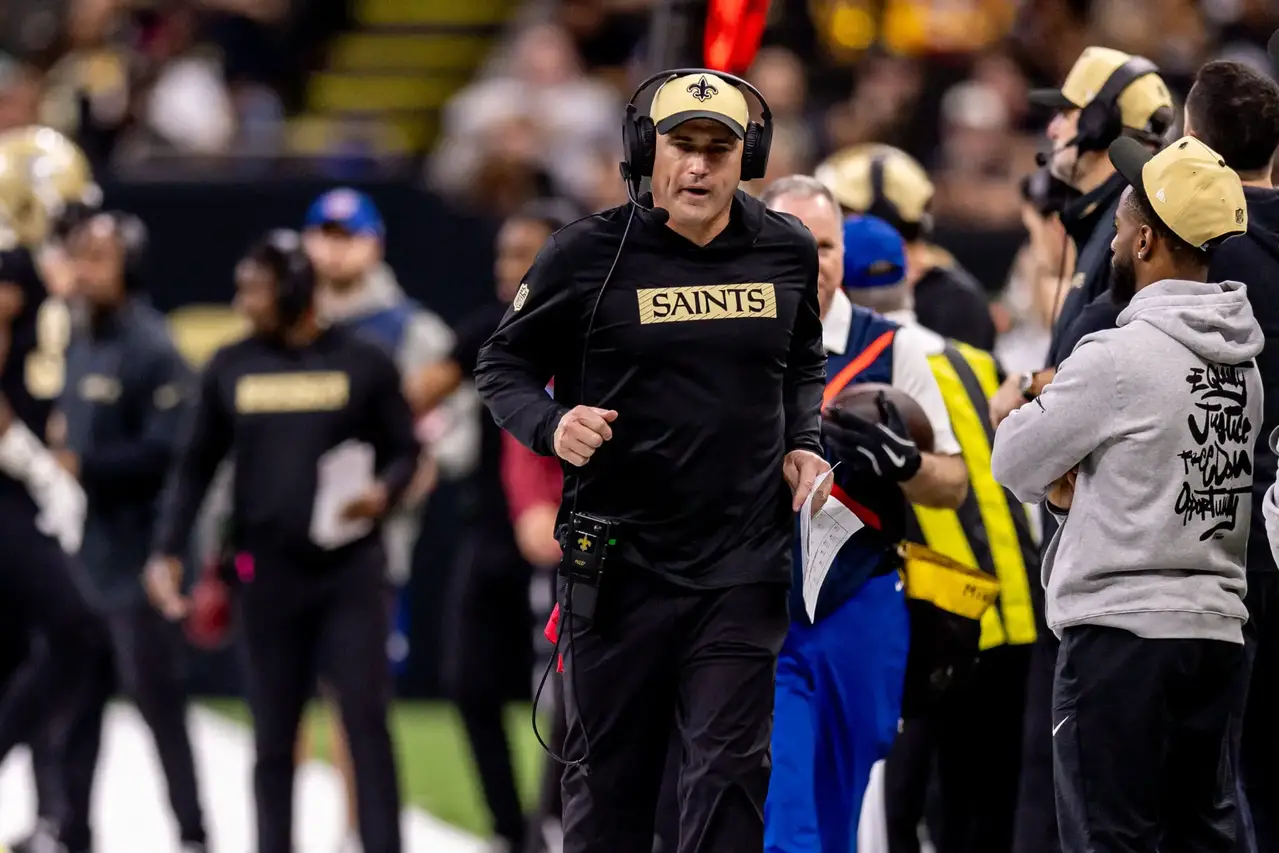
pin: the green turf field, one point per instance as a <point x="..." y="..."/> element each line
<point x="435" y="758"/>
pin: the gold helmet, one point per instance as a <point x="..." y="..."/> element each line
<point x="882" y="181"/>
<point x="43" y="174"/>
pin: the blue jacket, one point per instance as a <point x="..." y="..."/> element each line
<point x="881" y="505"/>
<point x="126" y="395"/>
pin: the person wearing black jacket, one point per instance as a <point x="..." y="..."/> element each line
<point x="121" y="410"/>
<point x="1235" y="111"/>
<point x="1107" y="94"/>
<point x="887" y="182"/>
<point x="683" y="334"/>
<point x="286" y="402"/>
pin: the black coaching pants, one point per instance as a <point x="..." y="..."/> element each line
<point x="38" y="580"/>
<point x="657" y="659"/>
<point x="488" y="661"/>
<point x="972" y="741"/>
<point x="1142" y="742"/>
<point x="299" y="622"/>
<point x="145" y="661"/>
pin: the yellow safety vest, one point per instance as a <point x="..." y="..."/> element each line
<point x="991" y="530"/>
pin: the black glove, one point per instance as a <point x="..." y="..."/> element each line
<point x="885" y="449"/>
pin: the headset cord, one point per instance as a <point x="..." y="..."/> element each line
<point x="1065" y="247"/>
<point x="567" y="627"/>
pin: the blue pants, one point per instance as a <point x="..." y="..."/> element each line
<point x="839" y="692"/>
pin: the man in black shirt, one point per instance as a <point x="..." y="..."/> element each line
<point x="122" y="405"/>
<point x="1235" y="112"/>
<point x="683" y="334"/>
<point x="287" y="403"/>
<point x="883" y="181"/>
<point x="41" y="505"/>
<point x="1107" y="94"/>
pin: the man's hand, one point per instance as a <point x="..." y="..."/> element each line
<point x="163" y="581"/>
<point x="801" y="468"/>
<point x="581" y="431"/>
<point x="885" y="448"/>
<point x="1007" y="400"/>
<point x="372" y="504"/>
<point x="1062" y="493"/>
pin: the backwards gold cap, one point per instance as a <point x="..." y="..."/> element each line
<point x="1138" y="102"/>
<point x="682" y="99"/>
<point x="1190" y="188"/>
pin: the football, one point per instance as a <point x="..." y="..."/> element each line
<point x="860" y="399"/>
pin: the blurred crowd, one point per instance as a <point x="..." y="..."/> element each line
<point x="947" y="83"/>
<point x="134" y="80"/>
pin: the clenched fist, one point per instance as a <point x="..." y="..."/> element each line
<point x="581" y="431"/>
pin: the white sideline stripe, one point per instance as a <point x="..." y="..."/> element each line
<point x="131" y="811"/>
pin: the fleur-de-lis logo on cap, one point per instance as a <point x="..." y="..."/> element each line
<point x="702" y="90"/>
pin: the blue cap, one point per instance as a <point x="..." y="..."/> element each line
<point x="874" y="253"/>
<point x="347" y="208"/>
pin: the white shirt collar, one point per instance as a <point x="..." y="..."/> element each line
<point x="837" y="323"/>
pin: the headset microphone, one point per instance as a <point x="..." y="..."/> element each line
<point x="659" y="215"/>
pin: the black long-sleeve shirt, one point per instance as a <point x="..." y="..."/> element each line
<point x="277" y="410"/>
<point x="126" y="396"/>
<point x="712" y="356"/>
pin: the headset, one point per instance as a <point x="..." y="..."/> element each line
<point x="1101" y="120"/>
<point x="639" y="134"/>
<point x="135" y="243"/>
<point x="281" y="252"/>
<point x="883" y="207"/>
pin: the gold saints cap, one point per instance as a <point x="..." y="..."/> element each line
<point x="848" y="174"/>
<point x="1138" y="102"/>
<point x="1190" y="188"/>
<point x="682" y="99"/>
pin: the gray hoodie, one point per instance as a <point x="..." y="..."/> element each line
<point x="1160" y="414"/>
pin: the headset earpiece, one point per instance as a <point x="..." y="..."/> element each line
<point x="134" y="240"/>
<point x="645" y="146"/>
<point x="1101" y="121"/>
<point x="755" y="149"/>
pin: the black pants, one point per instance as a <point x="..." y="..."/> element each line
<point x="972" y="741"/>
<point x="1259" y="754"/>
<point x="488" y="663"/>
<point x="1141" y="742"/>
<point x="550" y="801"/>
<point x="301" y="622"/>
<point x="1035" y="826"/>
<point x="145" y="662"/>
<point x="17" y="647"/>
<point x="658" y="657"/>
<point x="40" y="581"/>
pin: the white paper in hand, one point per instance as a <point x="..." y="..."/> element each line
<point x="821" y="537"/>
<point x="342" y="475"/>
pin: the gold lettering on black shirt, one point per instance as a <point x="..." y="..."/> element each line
<point x="706" y="302"/>
<point x="259" y="393"/>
